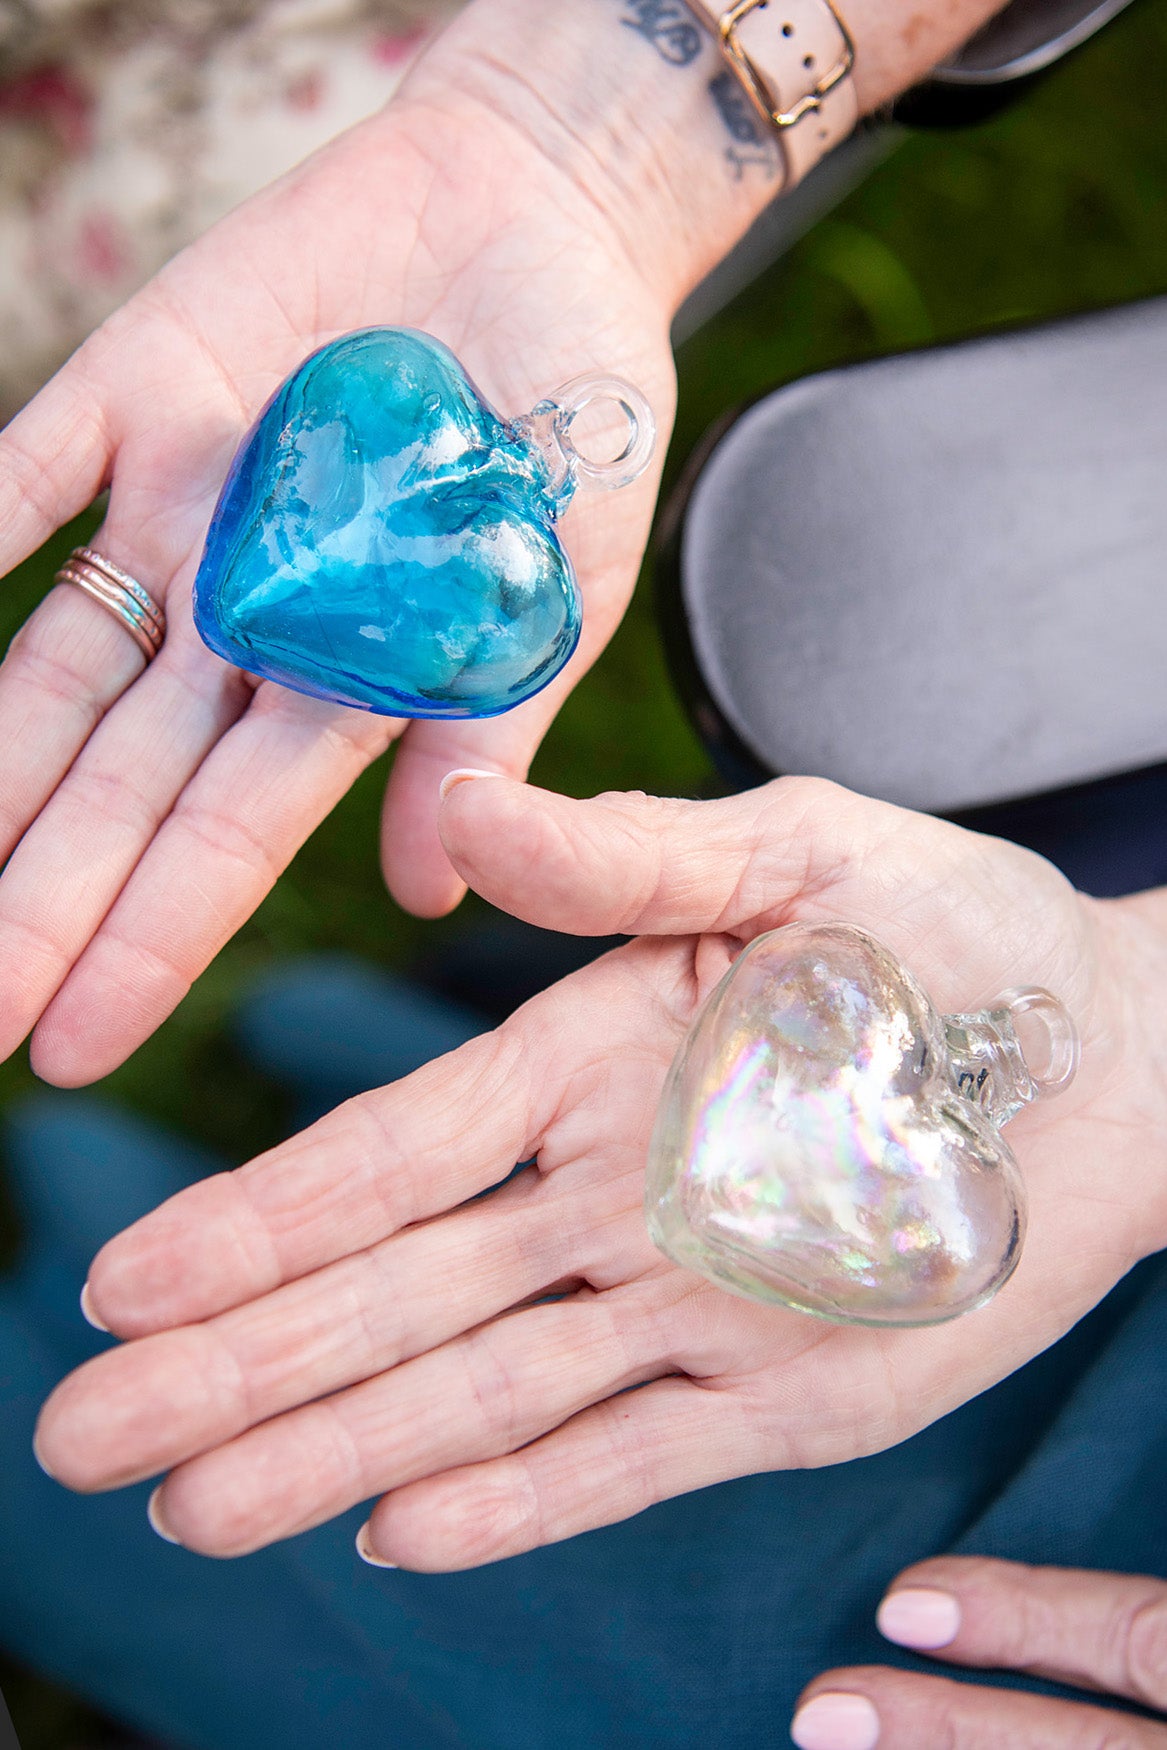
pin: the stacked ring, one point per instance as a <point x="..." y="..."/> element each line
<point x="119" y="593"/>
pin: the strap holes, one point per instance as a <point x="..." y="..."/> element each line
<point x="808" y="61"/>
<point x="787" y="30"/>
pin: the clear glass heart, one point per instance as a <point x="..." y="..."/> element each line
<point x="828" y="1140"/>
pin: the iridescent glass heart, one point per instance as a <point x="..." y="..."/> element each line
<point x="828" y="1140"/>
<point x="386" y="539"/>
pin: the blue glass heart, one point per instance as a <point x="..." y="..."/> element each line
<point x="385" y="539"/>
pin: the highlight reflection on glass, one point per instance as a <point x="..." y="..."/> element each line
<point x="828" y="1140"/>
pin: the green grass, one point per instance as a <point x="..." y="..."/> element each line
<point x="1058" y="206"/>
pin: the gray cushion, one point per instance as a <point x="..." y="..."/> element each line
<point x="1027" y="36"/>
<point x="942" y="578"/>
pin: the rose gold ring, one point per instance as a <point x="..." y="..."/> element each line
<point x="119" y="593"/>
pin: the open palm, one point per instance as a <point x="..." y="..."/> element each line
<point x="144" y="822"/>
<point x="337" y="1321"/>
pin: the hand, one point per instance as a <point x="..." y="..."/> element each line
<point x="1096" y="1631"/>
<point x="336" y="1320"/>
<point x="145" y="822"/>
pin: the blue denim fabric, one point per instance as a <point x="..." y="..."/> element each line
<point x="694" y="1624"/>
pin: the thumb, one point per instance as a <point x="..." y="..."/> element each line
<point x="634" y="864"/>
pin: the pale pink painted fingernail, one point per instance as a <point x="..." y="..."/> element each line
<point x="366" y="1552"/>
<point x="833" y="1721"/>
<point x="916" y="1616"/>
<point x="462" y="775"/>
<point x="87" y="1312"/>
<point x="157" y="1522"/>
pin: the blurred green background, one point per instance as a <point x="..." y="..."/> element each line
<point x="1057" y="206"/>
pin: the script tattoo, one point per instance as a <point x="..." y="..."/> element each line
<point x="668" y="26"/>
<point x="753" y="145"/>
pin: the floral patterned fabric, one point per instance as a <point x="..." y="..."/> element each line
<point x="129" y="126"/>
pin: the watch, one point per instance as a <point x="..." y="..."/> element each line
<point x="794" y="59"/>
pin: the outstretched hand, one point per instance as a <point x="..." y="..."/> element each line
<point x="144" y="822"/>
<point x="337" y="1321"/>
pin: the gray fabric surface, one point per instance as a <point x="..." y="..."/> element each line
<point x="940" y="578"/>
<point x="1026" y="36"/>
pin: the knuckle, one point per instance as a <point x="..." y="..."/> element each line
<point x="806" y="793"/>
<point x="649" y="1330"/>
<point x="634" y="1456"/>
<point x="802" y="805"/>
<point x="1034" y="1621"/>
<point x="382" y="1331"/>
<point x="354" y="736"/>
<point x="359" y="738"/>
<point x="944" y="1730"/>
<point x="34" y="949"/>
<point x="616" y="1337"/>
<point x="153" y="969"/>
<point x="537" y="1230"/>
<point x="231" y="839"/>
<point x="224" y="1379"/>
<point x="27" y="477"/>
<point x="50" y="674"/>
<point x="494" y="1391"/>
<point x="195" y="691"/>
<point x="112" y="797"/>
<point x="372" y="1146"/>
<point x="794" y="842"/>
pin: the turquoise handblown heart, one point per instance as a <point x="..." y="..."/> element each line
<point x="386" y="539"/>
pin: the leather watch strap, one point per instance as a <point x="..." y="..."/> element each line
<point x="794" y="60"/>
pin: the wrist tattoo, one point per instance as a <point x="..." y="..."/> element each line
<point x="754" y="146"/>
<point x="668" y="26"/>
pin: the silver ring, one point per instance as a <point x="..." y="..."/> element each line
<point x="120" y="594"/>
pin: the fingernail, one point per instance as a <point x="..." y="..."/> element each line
<point x="87" y="1312"/>
<point x="365" y="1550"/>
<point x="918" y="1617"/>
<point x="460" y="776"/>
<point x="836" y="1722"/>
<point x="154" y="1515"/>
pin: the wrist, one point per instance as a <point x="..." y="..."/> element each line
<point x="621" y="107"/>
<point x="634" y="101"/>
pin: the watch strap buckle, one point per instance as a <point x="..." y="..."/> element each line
<point x="728" y="28"/>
